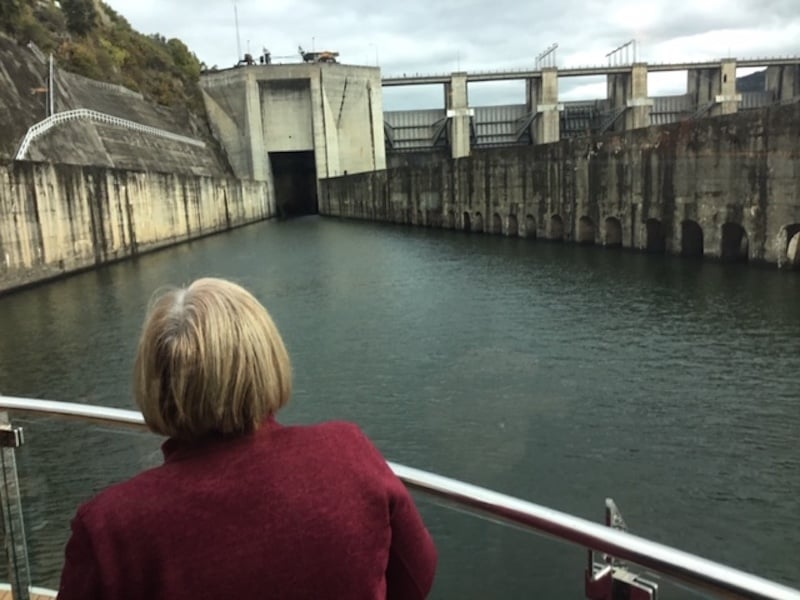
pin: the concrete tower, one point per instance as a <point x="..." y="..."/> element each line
<point x="293" y="124"/>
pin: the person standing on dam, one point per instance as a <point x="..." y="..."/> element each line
<point x="242" y="506"/>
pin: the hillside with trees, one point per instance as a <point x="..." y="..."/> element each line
<point x="89" y="38"/>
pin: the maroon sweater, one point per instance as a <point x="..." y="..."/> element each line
<point x="287" y="512"/>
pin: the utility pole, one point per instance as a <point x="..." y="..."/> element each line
<point x="238" y="39"/>
<point x="51" y="105"/>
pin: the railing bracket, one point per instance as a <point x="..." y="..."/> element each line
<point x="10" y="436"/>
<point x="612" y="579"/>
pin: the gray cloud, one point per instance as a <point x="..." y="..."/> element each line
<point x="415" y="36"/>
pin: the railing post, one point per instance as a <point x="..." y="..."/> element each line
<point x="11" y="500"/>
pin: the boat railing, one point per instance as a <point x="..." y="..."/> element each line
<point x="613" y="543"/>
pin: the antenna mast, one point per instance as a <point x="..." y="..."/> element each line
<point x="238" y="39"/>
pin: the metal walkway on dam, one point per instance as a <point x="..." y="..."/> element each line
<point x="583" y="71"/>
<point x="711" y="89"/>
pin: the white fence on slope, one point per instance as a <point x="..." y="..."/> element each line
<point x="49" y="123"/>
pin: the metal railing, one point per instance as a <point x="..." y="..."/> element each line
<point x="582" y="70"/>
<point x="611" y="118"/>
<point x="706" y="575"/>
<point x="43" y="127"/>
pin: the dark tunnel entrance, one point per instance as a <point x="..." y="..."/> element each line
<point x="295" y="178"/>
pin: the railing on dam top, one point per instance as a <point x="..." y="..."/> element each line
<point x="612" y="542"/>
<point x="580" y="70"/>
<point x="49" y="123"/>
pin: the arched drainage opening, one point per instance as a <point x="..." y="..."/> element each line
<point x="790" y="247"/>
<point x="656" y="240"/>
<point x="530" y="227"/>
<point x="735" y="245"/>
<point x="585" y="231"/>
<point x="467" y="222"/>
<point x="497" y="224"/>
<point x="513" y="226"/>
<point x="691" y="239"/>
<point x="793" y="251"/>
<point x="477" y="223"/>
<point x="613" y="233"/>
<point x="556" y="228"/>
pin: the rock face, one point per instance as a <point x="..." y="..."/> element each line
<point x="23" y="103"/>
<point x="722" y="187"/>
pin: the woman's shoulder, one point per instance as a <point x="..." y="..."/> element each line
<point x="339" y="441"/>
<point x="336" y="429"/>
<point x="119" y="504"/>
<point x="332" y="432"/>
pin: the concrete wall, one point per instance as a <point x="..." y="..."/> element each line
<point x="643" y="189"/>
<point x="352" y="100"/>
<point x="784" y="82"/>
<point x="287" y="115"/>
<point x="57" y="219"/>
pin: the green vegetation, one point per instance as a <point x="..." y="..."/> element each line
<point x="89" y="38"/>
<point x="81" y="15"/>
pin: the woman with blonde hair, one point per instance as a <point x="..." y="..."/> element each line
<point x="243" y="507"/>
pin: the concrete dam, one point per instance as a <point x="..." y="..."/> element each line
<point x="725" y="188"/>
<point x="710" y="173"/>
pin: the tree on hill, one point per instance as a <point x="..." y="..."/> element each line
<point x="184" y="59"/>
<point x="89" y="38"/>
<point x="755" y="82"/>
<point x="81" y="15"/>
<point x="10" y="11"/>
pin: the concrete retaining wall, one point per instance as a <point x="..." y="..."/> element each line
<point x="724" y="187"/>
<point x="56" y="219"/>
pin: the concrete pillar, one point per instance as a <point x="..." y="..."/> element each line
<point x="542" y="99"/>
<point x="254" y="132"/>
<point x="714" y="90"/>
<point x="628" y="92"/>
<point x="375" y="108"/>
<point x="639" y="105"/>
<point x="700" y="86"/>
<point x="784" y="82"/>
<point x="728" y="99"/>
<point x="459" y="115"/>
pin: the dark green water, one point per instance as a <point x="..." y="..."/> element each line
<point x="556" y="373"/>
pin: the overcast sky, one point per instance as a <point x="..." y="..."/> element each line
<point x="441" y="36"/>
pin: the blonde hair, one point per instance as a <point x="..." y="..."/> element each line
<point x="210" y="360"/>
